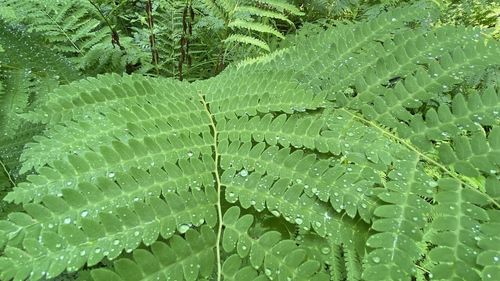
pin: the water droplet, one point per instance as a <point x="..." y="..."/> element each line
<point x="376" y="259"/>
<point x="97" y="250"/>
<point x="243" y="173"/>
<point x="67" y="220"/>
<point x="82" y="253"/>
<point x="116" y="242"/>
<point x="84" y="213"/>
<point x="183" y="228"/>
<point x="325" y="250"/>
<point x="111" y="175"/>
<point x="432" y="183"/>
<point x="136" y="233"/>
<point x="298" y="221"/>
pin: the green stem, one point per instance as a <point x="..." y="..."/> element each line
<point x="218" y="187"/>
<point x="7" y="173"/>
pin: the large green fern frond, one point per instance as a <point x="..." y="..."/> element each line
<point x="335" y="137"/>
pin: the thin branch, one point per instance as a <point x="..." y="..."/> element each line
<point x="115" y="39"/>
<point x="152" y="36"/>
<point x="7" y="173"/>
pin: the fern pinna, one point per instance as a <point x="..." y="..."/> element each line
<point x="370" y="151"/>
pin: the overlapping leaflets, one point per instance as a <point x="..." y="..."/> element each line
<point x="360" y="153"/>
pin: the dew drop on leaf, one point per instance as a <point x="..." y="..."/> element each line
<point x="432" y="183"/>
<point x="183" y="228"/>
<point x="243" y="173"/>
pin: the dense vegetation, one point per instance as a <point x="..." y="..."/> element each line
<point x="249" y="140"/>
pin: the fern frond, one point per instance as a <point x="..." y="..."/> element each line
<point x="71" y="26"/>
<point x="281" y="6"/>
<point x="27" y="72"/>
<point x="255" y="26"/>
<point x="353" y="264"/>
<point x="325" y="138"/>
<point x="238" y="16"/>
<point x="84" y="232"/>
<point x="488" y="258"/>
<point x="269" y="253"/>
<point x="238" y="38"/>
<point x="457" y="230"/>
<point x="14" y="100"/>
<point x="400" y="222"/>
<point x="262" y="13"/>
<point x="188" y="258"/>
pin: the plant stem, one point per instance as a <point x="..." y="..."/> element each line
<point x="7" y="173"/>
<point x="218" y="187"/>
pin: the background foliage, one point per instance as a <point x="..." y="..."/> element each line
<point x="249" y="140"/>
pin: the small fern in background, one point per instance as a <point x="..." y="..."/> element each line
<point x="367" y="150"/>
<point x="484" y="13"/>
<point x="247" y="19"/>
<point x="71" y="27"/>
